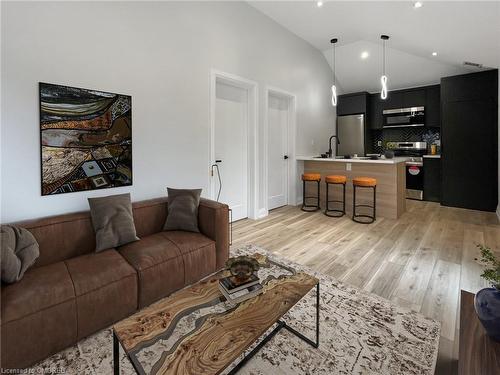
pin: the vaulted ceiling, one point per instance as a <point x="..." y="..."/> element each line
<point x="457" y="31"/>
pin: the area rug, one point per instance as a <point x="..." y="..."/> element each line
<point x="360" y="333"/>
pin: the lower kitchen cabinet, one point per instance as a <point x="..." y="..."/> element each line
<point x="432" y="179"/>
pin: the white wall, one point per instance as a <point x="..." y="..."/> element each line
<point x="161" y="54"/>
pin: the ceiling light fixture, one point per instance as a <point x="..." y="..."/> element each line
<point x="383" y="78"/>
<point x="334" y="88"/>
<point x="417" y="4"/>
<point x="434" y="53"/>
<point x="364" y="55"/>
<point x="319" y="4"/>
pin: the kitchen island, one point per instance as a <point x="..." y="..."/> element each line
<point x="390" y="175"/>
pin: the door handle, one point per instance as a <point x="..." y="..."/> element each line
<point x="218" y="161"/>
<point x="285" y="157"/>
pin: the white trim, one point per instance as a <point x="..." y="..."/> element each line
<point x="253" y="167"/>
<point x="498" y="212"/>
<point x="292" y="134"/>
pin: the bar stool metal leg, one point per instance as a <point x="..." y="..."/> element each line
<point x="328" y="210"/>
<point x="355" y="216"/>
<point x="309" y="207"/>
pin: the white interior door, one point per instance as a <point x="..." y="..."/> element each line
<point x="231" y="147"/>
<point x="278" y="120"/>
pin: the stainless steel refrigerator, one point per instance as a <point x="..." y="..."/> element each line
<point x="351" y="134"/>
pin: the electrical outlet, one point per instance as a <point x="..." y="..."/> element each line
<point x="348" y="166"/>
<point x="379" y="143"/>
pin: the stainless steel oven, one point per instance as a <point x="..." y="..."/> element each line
<point x="415" y="178"/>
<point x="404" y="117"/>
<point x="414" y="166"/>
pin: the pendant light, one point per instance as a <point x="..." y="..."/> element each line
<point x="383" y="78"/>
<point x="334" y="88"/>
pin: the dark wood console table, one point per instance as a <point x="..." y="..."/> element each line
<point x="478" y="354"/>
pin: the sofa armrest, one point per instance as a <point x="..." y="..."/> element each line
<point x="213" y="220"/>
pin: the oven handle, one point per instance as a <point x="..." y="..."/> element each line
<point x="415" y="163"/>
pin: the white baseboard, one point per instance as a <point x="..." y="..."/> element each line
<point x="262" y="213"/>
<point x="498" y="212"/>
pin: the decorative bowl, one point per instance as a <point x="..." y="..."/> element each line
<point x="242" y="267"/>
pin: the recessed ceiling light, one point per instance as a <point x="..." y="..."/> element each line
<point x="417" y="4"/>
<point x="364" y="55"/>
<point x="434" y="53"/>
<point x="319" y="4"/>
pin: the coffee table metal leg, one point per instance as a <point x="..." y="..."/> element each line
<point x="281" y="324"/>
<point x="116" y="355"/>
<point x="314" y="344"/>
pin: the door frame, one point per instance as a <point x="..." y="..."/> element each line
<point x="291" y="135"/>
<point x="252" y="112"/>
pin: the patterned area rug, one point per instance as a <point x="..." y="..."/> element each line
<point x="360" y="333"/>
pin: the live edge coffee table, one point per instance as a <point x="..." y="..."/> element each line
<point x="196" y="331"/>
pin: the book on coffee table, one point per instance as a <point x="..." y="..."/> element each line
<point x="231" y="284"/>
<point x="242" y="294"/>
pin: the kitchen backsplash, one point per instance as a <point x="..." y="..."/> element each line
<point x="402" y="135"/>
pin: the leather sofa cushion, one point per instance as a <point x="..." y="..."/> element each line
<point x="159" y="266"/>
<point x="40" y="288"/>
<point x="93" y="271"/>
<point x="149" y="251"/>
<point x="188" y="241"/>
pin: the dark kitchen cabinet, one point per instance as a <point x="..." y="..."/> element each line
<point x="414" y="98"/>
<point x="351" y="104"/>
<point x="428" y="97"/>
<point x="394" y="100"/>
<point x="375" y="108"/>
<point x="469" y="128"/>
<point x="433" y="107"/>
<point x="432" y="179"/>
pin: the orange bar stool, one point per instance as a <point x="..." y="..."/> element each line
<point x="366" y="183"/>
<point x="310" y="177"/>
<point x="335" y="180"/>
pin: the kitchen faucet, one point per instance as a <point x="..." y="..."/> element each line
<point x="330" y="151"/>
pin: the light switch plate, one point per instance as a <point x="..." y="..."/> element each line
<point x="348" y="167"/>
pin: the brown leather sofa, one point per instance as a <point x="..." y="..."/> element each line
<point x="72" y="291"/>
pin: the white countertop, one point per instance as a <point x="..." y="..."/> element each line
<point x="432" y="156"/>
<point x="382" y="160"/>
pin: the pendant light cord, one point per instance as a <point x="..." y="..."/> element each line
<point x="383" y="63"/>
<point x="334" y="64"/>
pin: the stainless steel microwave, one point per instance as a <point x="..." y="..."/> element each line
<point x="403" y="117"/>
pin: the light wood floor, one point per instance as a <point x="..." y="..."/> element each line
<point x="420" y="261"/>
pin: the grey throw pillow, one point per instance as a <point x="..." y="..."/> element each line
<point x="112" y="220"/>
<point x="183" y="209"/>
<point x="19" y="251"/>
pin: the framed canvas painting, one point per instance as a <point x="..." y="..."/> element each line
<point x="86" y="139"/>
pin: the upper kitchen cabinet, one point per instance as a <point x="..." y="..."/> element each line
<point x="413" y="98"/>
<point x="433" y="107"/>
<point x="375" y="108"/>
<point x="351" y="104"/>
<point x="394" y="100"/>
<point x="428" y="97"/>
<point x="469" y="141"/>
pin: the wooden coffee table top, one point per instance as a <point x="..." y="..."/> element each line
<point x="196" y="331"/>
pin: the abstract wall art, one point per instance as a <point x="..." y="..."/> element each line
<point x="86" y="139"/>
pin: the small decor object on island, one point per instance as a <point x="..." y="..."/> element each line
<point x="86" y="139"/>
<point x="243" y="282"/>
<point x="487" y="300"/>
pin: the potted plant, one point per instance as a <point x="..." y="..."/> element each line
<point x="487" y="300"/>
